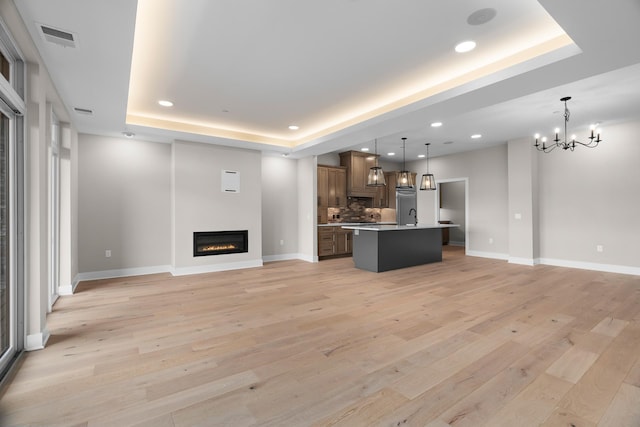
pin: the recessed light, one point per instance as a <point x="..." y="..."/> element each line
<point x="476" y="136"/>
<point x="421" y="156"/>
<point x="436" y="124"/>
<point x="466" y="46"/>
<point x="364" y="149"/>
<point x="294" y="127"/>
<point x="129" y="134"/>
<point x="391" y="154"/>
<point x="165" y="103"/>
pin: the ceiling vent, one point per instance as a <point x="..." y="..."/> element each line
<point x="57" y="36"/>
<point x="84" y="111"/>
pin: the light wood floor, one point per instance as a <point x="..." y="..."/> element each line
<point x="466" y="342"/>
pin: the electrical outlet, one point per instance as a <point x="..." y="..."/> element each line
<point x="599" y="248"/>
<point x="491" y="240"/>
<point x="518" y="216"/>
<point x="281" y="242"/>
<point x="107" y="253"/>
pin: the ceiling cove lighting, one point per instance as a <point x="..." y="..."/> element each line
<point x="376" y="175"/>
<point x="404" y="179"/>
<point x="567" y="144"/>
<point x="428" y="182"/>
<point x="165" y="103"/>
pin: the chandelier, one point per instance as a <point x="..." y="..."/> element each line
<point x="567" y="144"/>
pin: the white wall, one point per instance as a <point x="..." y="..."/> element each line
<point x="279" y="208"/>
<point x="591" y="197"/>
<point x="124" y="204"/>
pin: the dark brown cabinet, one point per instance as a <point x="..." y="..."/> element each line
<point x="332" y="190"/>
<point x="337" y="186"/>
<point x="358" y="165"/>
<point x="334" y="241"/>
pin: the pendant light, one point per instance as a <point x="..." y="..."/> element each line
<point x="404" y="178"/>
<point x="428" y="182"/>
<point x="376" y="175"/>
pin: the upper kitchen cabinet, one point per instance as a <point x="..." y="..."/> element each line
<point x="332" y="189"/>
<point x="337" y="187"/>
<point x="358" y="165"/>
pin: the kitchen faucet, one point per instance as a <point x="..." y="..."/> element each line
<point x="415" y="216"/>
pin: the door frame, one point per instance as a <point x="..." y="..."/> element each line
<point x="466" y="205"/>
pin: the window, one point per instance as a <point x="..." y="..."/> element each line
<point x="12" y="108"/>
<point x="5" y="288"/>
<point x="5" y="67"/>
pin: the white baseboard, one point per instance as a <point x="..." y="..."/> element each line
<point x="609" y="268"/>
<point x="212" y="268"/>
<point x="282" y="257"/>
<point x="37" y="341"/>
<point x="123" y="272"/>
<point x="523" y="261"/>
<point x="493" y="255"/>
<point x="69" y="289"/>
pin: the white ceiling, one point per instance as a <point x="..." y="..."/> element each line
<point x="346" y="71"/>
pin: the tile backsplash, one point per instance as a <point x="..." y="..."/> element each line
<point x="358" y="210"/>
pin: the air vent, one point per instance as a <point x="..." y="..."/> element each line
<point x="84" y="111"/>
<point x="58" y="36"/>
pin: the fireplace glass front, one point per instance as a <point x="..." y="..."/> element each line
<point x="220" y="242"/>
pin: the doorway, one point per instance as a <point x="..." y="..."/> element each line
<point x="452" y="205"/>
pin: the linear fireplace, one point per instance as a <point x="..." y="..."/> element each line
<point x="220" y="242"/>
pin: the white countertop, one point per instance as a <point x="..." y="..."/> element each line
<point x="395" y="227"/>
<point x="342" y="224"/>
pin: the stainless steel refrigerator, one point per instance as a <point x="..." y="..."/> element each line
<point x="406" y="206"/>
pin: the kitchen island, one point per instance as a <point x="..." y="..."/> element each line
<point x="380" y="248"/>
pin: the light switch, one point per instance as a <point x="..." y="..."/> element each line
<point x="518" y="216"/>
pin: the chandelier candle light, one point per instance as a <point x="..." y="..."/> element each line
<point x="428" y="182"/>
<point x="404" y="179"/>
<point x="565" y="144"/>
<point x="376" y="175"/>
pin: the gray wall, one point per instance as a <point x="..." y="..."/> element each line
<point x="199" y="204"/>
<point x="123" y="203"/>
<point x="591" y="197"/>
<point x="307" y="209"/>
<point x="135" y="198"/>
<point x="523" y="202"/>
<point x="571" y="201"/>
<point x="452" y="208"/>
<point x="488" y="201"/>
<point x="279" y="207"/>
